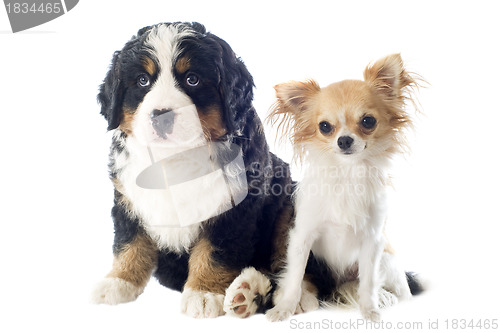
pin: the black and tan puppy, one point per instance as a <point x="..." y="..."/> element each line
<point x="175" y="88"/>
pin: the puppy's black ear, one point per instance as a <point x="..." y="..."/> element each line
<point x="111" y="94"/>
<point x="235" y="86"/>
<point x="111" y="91"/>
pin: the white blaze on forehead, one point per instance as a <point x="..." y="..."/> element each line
<point x="342" y="128"/>
<point x="164" y="44"/>
<point x="342" y="121"/>
<point x="163" y="41"/>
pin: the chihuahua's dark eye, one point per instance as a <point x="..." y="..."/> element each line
<point x="192" y="80"/>
<point x="325" y="127"/>
<point x="143" y="80"/>
<point x="368" y="122"/>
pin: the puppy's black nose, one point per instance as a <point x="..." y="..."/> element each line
<point x="163" y="122"/>
<point x="345" y="142"/>
<point x="157" y="113"/>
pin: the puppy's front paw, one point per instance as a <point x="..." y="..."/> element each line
<point x="114" y="291"/>
<point x="201" y="304"/>
<point x="247" y="292"/>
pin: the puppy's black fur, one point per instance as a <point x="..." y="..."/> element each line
<point x="242" y="236"/>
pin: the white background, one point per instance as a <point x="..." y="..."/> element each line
<point x="56" y="232"/>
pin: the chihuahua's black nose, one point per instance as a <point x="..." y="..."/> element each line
<point x="163" y="122"/>
<point x="345" y="142"/>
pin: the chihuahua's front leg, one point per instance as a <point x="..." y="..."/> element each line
<point x="289" y="290"/>
<point x="369" y="263"/>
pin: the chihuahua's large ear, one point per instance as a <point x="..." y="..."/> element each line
<point x="293" y="95"/>
<point x="389" y="77"/>
<point x="291" y="100"/>
<point x="288" y="113"/>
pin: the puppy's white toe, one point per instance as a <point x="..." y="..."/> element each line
<point x="114" y="291"/>
<point x="200" y="304"/>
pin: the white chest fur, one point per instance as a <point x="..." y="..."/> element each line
<point x="343" y="207"/>
<point x="154" y="208"/>
<point x="179" y="188"/>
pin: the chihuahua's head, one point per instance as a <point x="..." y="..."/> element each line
<point x="349" y="118"/>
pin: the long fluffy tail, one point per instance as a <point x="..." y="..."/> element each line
<point x="415" y="283"/>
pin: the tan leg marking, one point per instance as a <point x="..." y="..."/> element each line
<point x="204" y="273"/>
<point x="136" y="261"/>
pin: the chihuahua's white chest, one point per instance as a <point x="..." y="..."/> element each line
<point x="346" y="207"/>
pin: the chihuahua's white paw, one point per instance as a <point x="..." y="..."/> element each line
<point x="371" y="314"/>
<point x="368" y="304"/>
<point x="284" y="309"/>
<point x="280" y="312"/>
<point x="308" y="301"/>
<point x="201" y="304"/>
<point x="114" y="291"/>
<point x="347" y="296"/>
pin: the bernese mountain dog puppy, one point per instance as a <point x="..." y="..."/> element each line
<point x="198" y="195"/>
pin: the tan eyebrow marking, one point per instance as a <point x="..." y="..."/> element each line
<point x="182" y="65"/>
<point x="149" y="66"/>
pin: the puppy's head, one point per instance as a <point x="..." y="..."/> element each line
<point x="175" y="83"/>
<point x="348" y="118"/>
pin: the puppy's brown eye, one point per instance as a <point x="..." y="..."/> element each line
<point x="368" y="122"/>
<point x="325" y="127"/>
